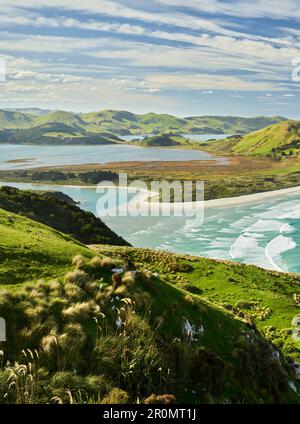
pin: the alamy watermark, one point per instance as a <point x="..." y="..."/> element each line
<point x="156" y="199"/>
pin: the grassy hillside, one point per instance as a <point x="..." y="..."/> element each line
<point x="96" y="127"/>
<point x="123" y="122"/>
<point x="276" y="140"/>
<point x="266" y="300"/>
<point x="61" y="117"/>
<point x="164" y="140"/>
<point x="146" y="335"/>
<point x="15" y="120"/>
<point x="30" y="250"/>
<point x="55" y="133"/>
<point x="49" y="209"/>
<point x="231" y="124"/>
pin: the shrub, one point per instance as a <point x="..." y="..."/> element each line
<point x="78" y="261"/>
<point x="209" y="370"/>
<point x="180" y="267"/>
<point x="160" y="399"/>
<point x="77" y="277"/>
<point x="96" y="262"/>
<point x="72" y="291"/>
<point x="129" y="278"/>
<point x="108" y="263"/>
<point x="77" y="311"/>
<point x="116" y="280"/>
<point x="116" y="396"/>
<point x="190" y="288"/>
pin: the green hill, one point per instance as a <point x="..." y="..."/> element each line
<point x="52" y="210"/>
<point x="10" y="120"/>
<point x="61" y="117"/>
<point x="169" y="327"/>
<point x="104" y="126"/>
<point x="147" y="335"/>
<point x="230" y="124"/>
<point x="55" y="133"/>
<point x="164" y="140"/>
<point x="276" y="140"/>
<point x="124" y="123"/>
<point x="30" y="250"/>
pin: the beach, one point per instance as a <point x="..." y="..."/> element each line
<point x="250" y="198"/>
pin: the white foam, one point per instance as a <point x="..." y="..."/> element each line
<point x="276" y="247"/>
<point x="263" y="225"/>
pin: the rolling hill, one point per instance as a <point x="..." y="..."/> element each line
<point x="124" y="123"/>
<point x="105" y="126"/>
<point x="11" y="120"/>
<point x="164" y="140"/>
<point x="55" y="133"/>
<point x="156" y="333"/>
<point x="282" y="139"/>
<point x="30" y="250"/>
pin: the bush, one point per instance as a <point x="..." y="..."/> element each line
<point x="77" y="311"/>
<point x="108" y="263"/>
<point x="77" y="277"/>
<point x="180" y="267"/>
<point x="96" y="262"/>
<point x="160" y="399"/>
<point x="190" y="288"/>
<point x="116" y="280"/>
<point x="78" y="261"/>
<point x="116" y="397"/>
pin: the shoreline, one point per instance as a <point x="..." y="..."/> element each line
<point x="213" y="203"/>
<point x="250" y="198"/>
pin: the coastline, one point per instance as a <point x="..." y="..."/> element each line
<point x="250" y="198"/>
<point x="213" y="203"/>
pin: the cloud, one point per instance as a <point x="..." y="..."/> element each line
<point x="271" y="9"/>
<point x="207" y="82"/>
<point x="141" y="51"/>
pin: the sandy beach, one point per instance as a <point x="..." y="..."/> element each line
<point x="250" y="198"/>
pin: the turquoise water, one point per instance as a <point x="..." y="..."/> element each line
<point x="266" y="234"/>
<point x="75" y="155"/>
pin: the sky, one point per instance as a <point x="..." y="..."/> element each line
<point x="200" y="57"/>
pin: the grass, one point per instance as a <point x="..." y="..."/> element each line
<point x="30" y="251"/>
<point x="277" y="140"/>
<point x="266" y="298"/>
<point x="170" y="328"/>
<point x="59" y="212"/>
<point x="132" y="346"/>
<point x="59" y="125"/>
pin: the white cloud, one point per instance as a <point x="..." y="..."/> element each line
<point x="274" y="9"/>
<point x="207" y="82"/>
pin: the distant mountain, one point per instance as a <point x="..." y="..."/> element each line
<point x="9" y="120"/>
<point x="87" y="126"/>
<point x="56" y="133"/>
<point x="124" y="123"/>
<point x="282" y="139"/>
<point x="231" y="124"/>
<point x="164" y="140"/>
<point x="33" y="111"/>
<point x="61" y="117"/>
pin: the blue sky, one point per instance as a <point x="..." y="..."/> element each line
<point x="173" y="56"/>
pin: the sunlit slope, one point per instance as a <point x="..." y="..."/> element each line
<point x="30" y="250"/>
